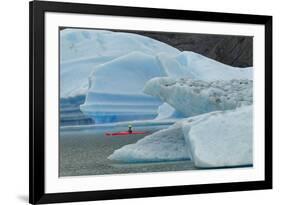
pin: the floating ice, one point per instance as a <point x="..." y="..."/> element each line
<point x="83" y="49"/>
<point x="215" y="139"/>
<point x="111" y="107"/>
<point x="98" y="62"/>
<point x="166" y="111"/>
<point x="222" y="140"/>
<point x="164" y="145"/>
<point x="193" y="97"/>
<point x="115" y="92"/>
<point x="195" y="66"/>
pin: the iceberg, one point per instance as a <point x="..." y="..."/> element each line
<point x="126" y="77"/>
<point x="166" y="111"/>
<point x="101" y="64"/>
<point x="106" y="66"/>
<point x="193" y="97"/>
<point x="164" y="145"/>
<point x="222" y="140"/>
<point x="192" y="65"/>
<point x="111" y="107"/>
<point x="81" y="50"/>
<point x="70" y="113"/>
<point x="115" y="90"/>
<point x="210" y="140"/>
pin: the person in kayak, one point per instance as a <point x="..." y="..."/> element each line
<point x="130" y="129"/>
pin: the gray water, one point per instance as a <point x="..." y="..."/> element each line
<point x="87" y="154"/>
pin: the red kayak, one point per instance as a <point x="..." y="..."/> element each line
<point x="123" y="133"/>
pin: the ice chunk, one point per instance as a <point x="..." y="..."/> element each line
<point x="222" y="140"/>
<point x="70" y="113"/>
<point x="193" y="97"/>
<point x="126" y="74"/>
<point x="115" y="92"/>
<point x="111" y="107"/>
<point x="166" y="111"/>
<point x="83" y="49"/>
<point x="195" y="66"/>
<point x="82" y="43"/>
<point x="98" y="62"/>
<point x="164" y="145"/>
<point x="210" y="140"/>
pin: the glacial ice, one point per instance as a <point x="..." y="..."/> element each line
<point x="83" y="43"/>
<point x="166" y="111"/>
<point x="127" y="77"/>
<point x="111" y="107"/>
<point x="70" y="113"/>
<point x="164" y="145"/>
<point x="193" y="97"/>
<point x="101" y="64"/>
<point x="81" y="50"/>
<point x="222" y="140"/>
<point x="121" y="97"/>
<point x="215" y="139"/>
<point x="198" y="67"/>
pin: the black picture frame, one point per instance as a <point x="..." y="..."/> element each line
<point x="37" y="9"/>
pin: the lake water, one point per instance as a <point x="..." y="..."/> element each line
<point x="86" y="154"/>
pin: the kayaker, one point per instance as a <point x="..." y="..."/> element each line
<point x="130" y="129"/>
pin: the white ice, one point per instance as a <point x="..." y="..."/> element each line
<point x="193" y="97"/>
<point x="101" y="64"/>
<point x="164" y="145"/>
<point x="222" y="140"/>
<point x="115" y="91"/>
<point x="195" y="66"/>
<point x="81" y="50"/>
<point x="116" y="71"/>
<point x="215" y="139"/>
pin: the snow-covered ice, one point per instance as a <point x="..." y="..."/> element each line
<point x="193" y="97"/>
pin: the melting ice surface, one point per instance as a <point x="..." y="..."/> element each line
<point x="126" y="77"/>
